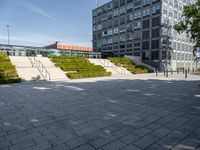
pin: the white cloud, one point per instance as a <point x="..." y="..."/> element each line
<point x="35" y="9"/>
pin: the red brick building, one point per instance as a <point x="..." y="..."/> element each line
<point x="67" y="47"/>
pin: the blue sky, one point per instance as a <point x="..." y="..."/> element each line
<point x="42" y="22"/>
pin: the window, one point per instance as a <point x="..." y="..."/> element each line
<point x="129" y="6"/>
<point x="116" y="12"/>
<point x="129" y="36"/>
<point x="122" y="37"/>
<point x="122" y="20"/>
<point x="155" y="33"/>
<point x="145" y="45"/>
<point x="155" y="55"/>
<point x="136" y="44"/>
<point x="156" y="9"/>
<point x="145" y="24"/>
<point x="155" y="21"/>
<point x="110" y="40"/>
<point x="137" y="35"/>
<point x="145" y="35"/>
<point x="137" y="25"/>
<point x="165" y="9"/>
<point x="155" y="44"/>
<point x="115" y="22"/>
<point x="129" y="27"/>
<point x="122" y="28"/>
<point x="130" y="17"/>
<point x="146" y="2"/>
<point x="115" y="30"/>
<point x="137" y="4"/>
<point x="137" y="15"/>
<point x="145" y="56"/>
<point x="146" y="12"/>
<point x="122" y="10"/>
<point x="110" y="32"/>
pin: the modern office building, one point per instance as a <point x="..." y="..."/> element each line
<point x="143" y="28"/>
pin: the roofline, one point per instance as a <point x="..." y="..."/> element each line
<point x="102" y="5"/>
<point x="21" y="46"/>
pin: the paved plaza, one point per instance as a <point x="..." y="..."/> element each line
<point x="127" y="114"/>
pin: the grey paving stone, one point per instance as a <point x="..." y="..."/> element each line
<point x="85" y="147"/>
<point x="130" y="138"/>
<point x="142" y="132"/>
<point x="131" y="147"/>
<point x="114" y="145"/>
<point x="76" y="142"/>
<point x="102" y="141"/>
<point x="100" y="114"/>
<point x="188" y="143"/>
<point x="145" y="141"/>
<point x="22" y="145"/>
<point x="161" y="132"/>
<point x="158" y="147"/>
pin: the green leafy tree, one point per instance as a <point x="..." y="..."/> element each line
<point x="191" y="23"/>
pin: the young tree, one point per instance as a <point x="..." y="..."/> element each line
<point x="191" y="23"/>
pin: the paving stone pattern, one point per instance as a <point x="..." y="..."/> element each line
<point x="103" y="115"/>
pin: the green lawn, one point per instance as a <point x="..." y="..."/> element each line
<point x="79" y="67"/>
<point x="8" y="73"/>
<point x="130" y="66"/>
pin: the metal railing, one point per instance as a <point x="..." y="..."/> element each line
<point x="106" y="63"/>
<point x="41" y="68"/>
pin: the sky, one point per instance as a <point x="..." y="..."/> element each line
<point x="43" y="22"/>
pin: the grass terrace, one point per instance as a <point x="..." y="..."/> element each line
<point x="79" y="67"/>
<point x="130" y="66"/>
<point x="8" y="73"/>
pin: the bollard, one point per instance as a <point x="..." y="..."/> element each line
<point x="192" y="70"/>
<point x="188" y="70"/>
<point x="183" y="70"/>
<point x="167" y="73"/>
<point x="186" y="74"/>
<point x="171" y="72"/>
<point x="156" y="71"/>
<point x="164" y="72"/>
<point x="178" y="71"/>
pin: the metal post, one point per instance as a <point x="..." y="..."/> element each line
<point x="186" y="74"/>
<point x="167" y="73"/>
<point x="156" y="71"/>
<point x="8" y="29"/>
<point x="171" y="72"/>
<point x="193" y="70"/>
<point x="178" y="71"/>
<point x="164" y="72"/>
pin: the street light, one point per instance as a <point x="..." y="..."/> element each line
<point x="8" y="29"/>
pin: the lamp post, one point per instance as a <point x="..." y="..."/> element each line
<point x="8" y="29"/>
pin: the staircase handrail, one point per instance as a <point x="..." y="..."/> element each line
<point x="41" y="68"/>
<point x="106" y="63"/>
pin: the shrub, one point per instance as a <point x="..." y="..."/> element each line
<point x="8" y="73"/>
<point x="130" y="66"/>
<point x="79" y="67"/>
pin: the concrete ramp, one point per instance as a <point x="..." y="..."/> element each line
<point x="24" y="68"/>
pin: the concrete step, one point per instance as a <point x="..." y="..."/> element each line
<point x="109" y="66"/>
<point x="24" y="68"/>
<point x="55" y="72"/>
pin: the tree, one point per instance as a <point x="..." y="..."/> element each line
<point x="191" y="23"/>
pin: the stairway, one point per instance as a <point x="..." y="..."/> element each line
<point x="24" y="68"/>
<point x="55" y="72"/>
<point x="109" y="66"/>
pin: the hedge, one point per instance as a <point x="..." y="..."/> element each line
<point x="130" y="66"/>
<point x="78" y="67"/>
<point x="8" y="73"/>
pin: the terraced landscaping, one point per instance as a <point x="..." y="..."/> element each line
<point x="8" y="73"/>
<point x="130" y="66"/>
<point x="79" y="67"/>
